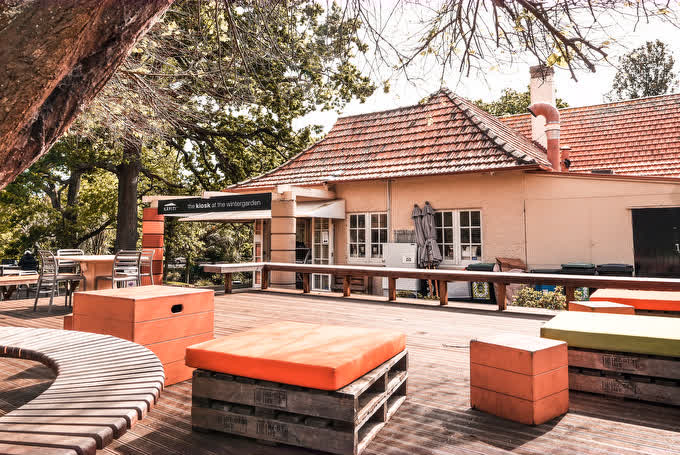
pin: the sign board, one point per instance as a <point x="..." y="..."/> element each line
<point x="233" y="203"/>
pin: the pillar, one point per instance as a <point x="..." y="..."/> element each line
<point x="153" y="230"/>
<point x="283" y="239"/>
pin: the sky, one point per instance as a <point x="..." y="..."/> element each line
<point x="589" y="89"/>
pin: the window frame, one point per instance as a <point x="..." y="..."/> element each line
<point x="456" y="238"/>
<point x="366" y="258"/>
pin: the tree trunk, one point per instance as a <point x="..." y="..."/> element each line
<point x="55" y="57"/>
<point x="128" y="179"/>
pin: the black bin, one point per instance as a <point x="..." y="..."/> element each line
<point x="546" y="287"/>
<point x="615" y="270"/>
<point x="580" y="268"/>
<point x="481" y="290"/>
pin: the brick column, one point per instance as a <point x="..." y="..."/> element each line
<point x="153" y="230"/>
<point x="283" y="239"/>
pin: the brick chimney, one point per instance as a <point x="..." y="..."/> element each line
<point x="542" y="91"/>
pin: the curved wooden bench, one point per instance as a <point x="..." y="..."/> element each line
<point x="103" y="386"/>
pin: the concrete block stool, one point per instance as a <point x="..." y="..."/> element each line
<point x="520" y="378"/>
<point x="321" y="387"/>
<point x="601" y="307"/>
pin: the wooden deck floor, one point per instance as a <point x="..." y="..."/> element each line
<point x="436" y="418"/>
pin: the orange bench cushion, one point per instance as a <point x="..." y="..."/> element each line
<point x="308" y="355"/>
<point x="641" y="300"/>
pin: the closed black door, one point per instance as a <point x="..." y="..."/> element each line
<point x="656" y="242"/>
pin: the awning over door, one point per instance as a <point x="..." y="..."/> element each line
<point x="324" y="209"/>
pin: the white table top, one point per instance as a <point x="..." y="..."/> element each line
<point x="88" y="258"/>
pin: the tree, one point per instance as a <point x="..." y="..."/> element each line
<point x="645" y="71"/>
<point x="512" y="102"/>
<point x="221" y="86"/>
<point x="54" y="59"/>
<point x="62" y="53"/>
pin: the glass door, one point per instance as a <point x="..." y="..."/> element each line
<point x="322" y="251"/>
<point x="258" y="250"/>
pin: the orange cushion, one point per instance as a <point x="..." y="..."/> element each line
<point x="641" y="300"/>
<point x="308" y="355"/>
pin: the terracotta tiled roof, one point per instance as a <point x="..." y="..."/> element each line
<point x="445" y="134"/>
<point x="635" y="137"/>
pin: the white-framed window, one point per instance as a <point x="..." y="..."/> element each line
<point x="367" y="232"/>
<point x="459" y="235"/>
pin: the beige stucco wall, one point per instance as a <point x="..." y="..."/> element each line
<point x="499" y="196"/>
<point x="567" y="218"/>
<point x="587" y="219"/>
<point x="368" y="196"/>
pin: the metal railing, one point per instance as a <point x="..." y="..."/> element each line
<point x="442" y="277"/>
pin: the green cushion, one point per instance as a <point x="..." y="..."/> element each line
<point x="616" y="332"/>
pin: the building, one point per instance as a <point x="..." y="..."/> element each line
<point x="597" y="184"/>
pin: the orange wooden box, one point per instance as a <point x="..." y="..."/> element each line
<point x="602" y="307"/>
<point x="641" y="300"/>
<point x="520" y="378"/>
<point x="165" y="319"/>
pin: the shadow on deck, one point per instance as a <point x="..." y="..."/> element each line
<point x="436" y="418"/>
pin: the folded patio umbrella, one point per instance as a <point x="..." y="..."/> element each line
<point x="432" y="256"/>
<point x="417" y="216"/>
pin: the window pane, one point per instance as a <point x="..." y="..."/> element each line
<point x="374" y="236"/>
<point x="448" y="252"/>
<point x="317" y="251"/>
<point x="476" y="235"/>
<point x="448" y="235"/>
<point x="465" y="252"/>
<point x="361" y="221"/>
<point x="362" y="250"/>
<point x="375" y="251"/>
<point x="465" y="235"/>
<point x="317" y="236"/>
<point x="438" y="219"/>
<point x="383" y="236"/>
<point x="352" y="221"/>
<point x="353" y="250"/>
<point x="375" y="220"/>
<point x="439" y="236"/>
<point x="478" y="251"/>
<point x="383" y="220"/>
<point x="448" y="218"/>
<point x="465" y="218"/>
<point x="324" y="251"/>
<point x="475" y="218"/>
<point x="353" y="236"/>
<point x="361" y="236"/>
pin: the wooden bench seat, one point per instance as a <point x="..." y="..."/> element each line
<point x="103" y="386"/>
<point x="621" y="355"/>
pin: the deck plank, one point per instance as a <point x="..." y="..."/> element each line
<point x="435" y="420"/>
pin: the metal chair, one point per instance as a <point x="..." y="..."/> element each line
<point x="69" y="267"/>
<point x="146" y="264"/>
<point x="49" y="278"/>
<point x="125" y="269"/>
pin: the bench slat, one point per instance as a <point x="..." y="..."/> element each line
<point x="81" y="445"/>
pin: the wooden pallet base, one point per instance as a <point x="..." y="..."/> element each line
<point x="626" y="375"/>
<point x="341" y="422"/>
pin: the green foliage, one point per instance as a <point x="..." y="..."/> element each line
<point x="645" y="71"/>
<point x="512" y="102"/>
<point x="529" y="297"/>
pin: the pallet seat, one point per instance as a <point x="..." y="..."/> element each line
<point x="321" y="387"/>
<point x="104" y="385"/>
<point x="621" y="355"/>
